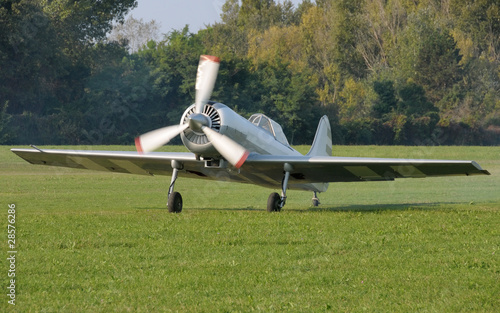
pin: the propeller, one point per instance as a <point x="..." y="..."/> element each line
<point x="205" y="80"/>
<point x="233" y="152"/>
<point x="156" y="138"/>
<point x="228" y="148"/>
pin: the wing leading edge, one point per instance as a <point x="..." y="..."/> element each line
<point x="158" y="163"/>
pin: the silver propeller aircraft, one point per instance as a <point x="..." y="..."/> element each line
<point x="226" y="146"/>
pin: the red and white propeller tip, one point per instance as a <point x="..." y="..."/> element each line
<point x="233" y="152"/>
<point x="205" y="80"/>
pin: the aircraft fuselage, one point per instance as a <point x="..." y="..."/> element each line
<point x="262" y="140"/>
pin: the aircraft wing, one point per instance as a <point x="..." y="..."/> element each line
<point x="266" y="170"/>
<point x="157" y="163"/>
<point x="323" y="169"/>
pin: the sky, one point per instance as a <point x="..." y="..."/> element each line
<point x="175" y="14"/>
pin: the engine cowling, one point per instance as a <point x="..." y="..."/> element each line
<point x="197" y="142"/>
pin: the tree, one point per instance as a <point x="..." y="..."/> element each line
<point x="30" y="60"/>
<point x="382" y="23"/>
<point x="46" y="56"/>
<point x="427" y="54"/>
<point x="44" y="49"/>
<point x="261" y="14"/>
<point x="414" y="101"/>
<point x="378" y="68"/>
<point x="318" y="53"/>
<point x="85" y="22"/>
<point x="438" y="63"/>
<point x="329" y="32"/>
<point x="136" y="33"/>
<point x="479" y="21"/>
<point x="5" y="131"/>
<point x="386" y="101"/>
<point x="228" y="38"/>
<point x="289" y="98"/>
<point x="173" y="64"/>
<point x="277" y="43"/>
<point x="347" y="16"/>
<point x="353" y="102"/>
<point x="118" y="98"/>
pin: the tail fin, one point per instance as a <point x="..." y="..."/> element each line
<point x="322" y="144"/>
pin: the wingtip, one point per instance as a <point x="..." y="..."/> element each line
<point x="480" y="169"/>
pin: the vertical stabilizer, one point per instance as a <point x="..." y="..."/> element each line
<point x="322" y="144"/>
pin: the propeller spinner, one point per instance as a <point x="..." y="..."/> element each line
<point x="233" y="152"/>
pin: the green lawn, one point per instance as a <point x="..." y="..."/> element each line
<point x="100" y="242"/>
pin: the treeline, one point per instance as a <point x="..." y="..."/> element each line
<point x="385" y="71"/>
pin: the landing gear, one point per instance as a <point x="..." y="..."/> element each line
<point x="315" y="200"/>
<point x="174" y="203"/>
<point x="275" y="203"/>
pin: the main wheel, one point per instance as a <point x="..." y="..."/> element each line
<point x="174" y="202"/>
<point x="273" y="202"/>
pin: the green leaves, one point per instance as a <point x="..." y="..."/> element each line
<point x="5" y="130"/>
<point x="369" y="65"/>
<point x="86" y="21"/>
<point x="46" y="58"/>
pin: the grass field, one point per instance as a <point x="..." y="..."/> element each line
<point x="99" y="242"/>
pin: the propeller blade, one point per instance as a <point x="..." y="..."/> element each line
<point x="205" y="80"/>
<point x="154" y="139"/>
<point x="233" y="152"/>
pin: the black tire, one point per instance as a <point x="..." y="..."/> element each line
<point x="273" y="202"/>
<point x="315" y="202"/>
<point x="175" y="202"/>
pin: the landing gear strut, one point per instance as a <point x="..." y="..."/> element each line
<point x="174" y="203"/>
<point x="275" y="203"/>
<point x="315" y="200"/>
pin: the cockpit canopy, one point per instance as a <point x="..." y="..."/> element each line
<point x="270" y="126"/>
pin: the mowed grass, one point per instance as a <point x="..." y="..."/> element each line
<point x="99" y="242"/>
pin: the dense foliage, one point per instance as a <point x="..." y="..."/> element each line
<point x="385" y="71"/>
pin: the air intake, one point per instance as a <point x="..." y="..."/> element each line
<point x="201" y="138"/>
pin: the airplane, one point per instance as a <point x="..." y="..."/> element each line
<point x="225" y="146"/>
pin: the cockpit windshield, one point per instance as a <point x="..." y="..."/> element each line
<point x="270" y="126"/>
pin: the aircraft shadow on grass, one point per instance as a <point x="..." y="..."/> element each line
<point x="204" y="209"/>
<point x="370" y="208"/>
<point x="361" y="208"/>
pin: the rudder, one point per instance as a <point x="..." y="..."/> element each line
<point x="322" y="144"/>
